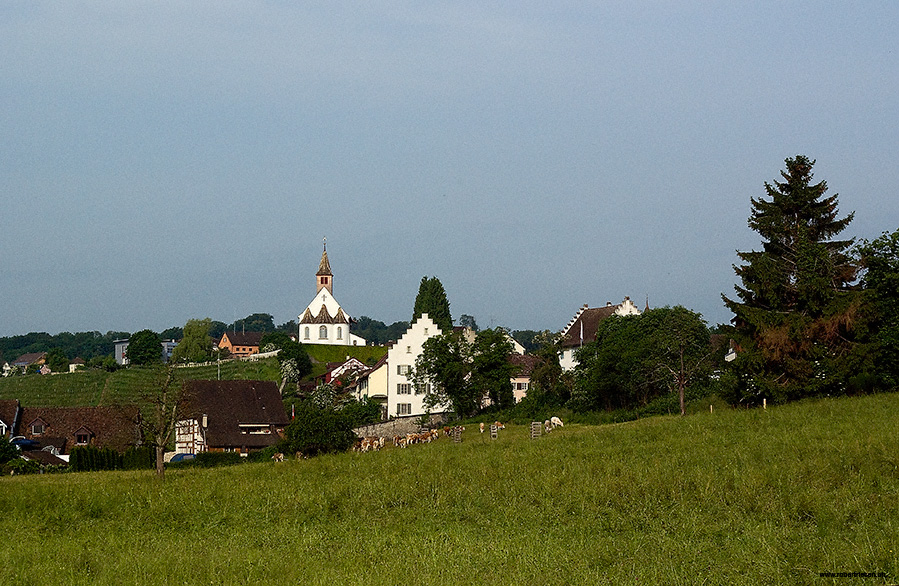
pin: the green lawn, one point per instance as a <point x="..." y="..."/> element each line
<point x="731" y="497"/>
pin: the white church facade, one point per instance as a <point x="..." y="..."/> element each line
<point x="324" y="321"/>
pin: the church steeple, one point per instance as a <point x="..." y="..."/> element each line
<point x="323" y="278"/>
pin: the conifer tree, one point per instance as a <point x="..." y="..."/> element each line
<point x="794" y="313"/>
<point x="431" y="299"/>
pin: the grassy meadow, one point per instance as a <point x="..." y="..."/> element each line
<point x="731" y="497"/>
<point x="96" y="387"/>
<point x="90" y="388"/>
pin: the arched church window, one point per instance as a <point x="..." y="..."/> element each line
<point x="322" y="333"/>
<point x="306" y="333"/>
<point x="339" y="333"/>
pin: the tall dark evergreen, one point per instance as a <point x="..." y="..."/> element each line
<point x="432" y="300"/>
<point x="794" y="312"/>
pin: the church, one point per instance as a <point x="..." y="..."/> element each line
<point x="324" y="321"/>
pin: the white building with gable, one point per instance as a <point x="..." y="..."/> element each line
<point x="404" y="397"/>
<point x="324" y="321"/>
<point x="582" y="327"/>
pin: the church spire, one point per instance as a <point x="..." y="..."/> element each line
<point x="323" y="278"/>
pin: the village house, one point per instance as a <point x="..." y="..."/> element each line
<point x="240" y="344"/>
<point x="60" y="429"/>
<point x="9" y="417"/>
<point x="521" y="375"/>
<point x="230" y="416"/>
<point x="583" y="326"/>
<point x="24" y="361"/>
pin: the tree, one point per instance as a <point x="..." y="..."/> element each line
<point x="431" y="299"/>
<point x="293" y="359"/>
<point x="316" y="430"/>
<point x="445" y="362"/>
<point x="144" y="348"/>
<point x="880" y="261"/>
<point x="794" y="313"/>
<point x="8" y="450"/>
<point x="57" y="360"/>
<point x="491" y="371"/>
<point x="638" y="358"/>
<point x="257" y="322"/>
<point x="167" y="399"/>
<point x="468" y="321"/>
<point x="464" y="374"/>
<point x="196" y="345"/>
<point x="550" y="385"/>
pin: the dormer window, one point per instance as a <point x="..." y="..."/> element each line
<point x="82" y="439"/>
<point x="37" y="428"/>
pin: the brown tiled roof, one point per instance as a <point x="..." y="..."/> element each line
<point x="589" y="319"/>
<point x="29" y="359"/>
<point x="112" y="427"/>
<point x="524" y="364"/>
<point x="9" y="408"/>
<point x="45" y="458"/>
<point x="243" y="338"/>
<point x="228" y="404"/>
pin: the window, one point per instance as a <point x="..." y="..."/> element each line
<point x="37" y="428"/>
<point x="404" y="408"/>
<point x="339" y="333"/>
<point x="403" y="369"/>
<point x="422" y="388"/>
<point x="323" y="333"/>
<point x="426" y="331"/>
<point x="306" y="333"/>
<point x="403" y="389"/>
<point x="82" y="439"/>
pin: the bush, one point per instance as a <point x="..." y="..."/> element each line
<point x="315" y="430"/>
<point x="139" y="458"/>
<point x="263" y="454"/>
<point x="91" y="458"/>
<point x="22" y="466"/>
<point x="216" y="459"/>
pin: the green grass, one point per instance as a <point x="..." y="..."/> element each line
<point x="731" y="497"/>
<point x="96" y="387"/>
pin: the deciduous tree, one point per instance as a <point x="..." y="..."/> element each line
<point x="196" y="345"/>
<point x="144" y="348"/>
<point x="293" y="359"/>
<point x="880" y="260"/>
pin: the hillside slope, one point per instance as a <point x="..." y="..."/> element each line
<point x="737" y="497"/>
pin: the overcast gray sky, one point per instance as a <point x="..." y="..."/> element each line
<point x="161" y="161"/>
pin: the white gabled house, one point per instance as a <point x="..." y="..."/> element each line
<point x="582" y="327"/>
<point x="390" y="380"/>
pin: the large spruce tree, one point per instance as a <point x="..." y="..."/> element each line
<point x="795" y="312"/>
<point x="431" y="299"/>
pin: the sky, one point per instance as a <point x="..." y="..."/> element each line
<point x="162" y="161"/>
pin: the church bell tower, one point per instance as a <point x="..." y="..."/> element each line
<point x="323" y="278"/>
